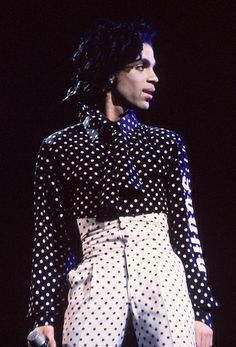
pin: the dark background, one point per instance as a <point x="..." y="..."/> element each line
<point x="195" y="98"/>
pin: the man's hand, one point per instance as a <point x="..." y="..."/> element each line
<point x="48" y="331"/>
<point x="204" y="335"/>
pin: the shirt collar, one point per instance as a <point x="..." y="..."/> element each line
<point x="95" y="121"/>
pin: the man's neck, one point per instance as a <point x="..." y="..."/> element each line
<point x="112" y="111"/>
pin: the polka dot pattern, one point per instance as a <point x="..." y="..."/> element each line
<point x="105" y="170"/>
<point x="128" y="266"/>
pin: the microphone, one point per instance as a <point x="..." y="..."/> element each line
<point x="36" y="339"/>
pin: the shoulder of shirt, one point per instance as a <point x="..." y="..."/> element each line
<point x="63" y="135"/>
<point x="162" y="133"/>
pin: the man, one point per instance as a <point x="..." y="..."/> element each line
<point x="127" y="187"/>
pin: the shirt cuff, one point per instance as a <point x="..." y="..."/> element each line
<point x="44" y="320"/>
<point x="204" y="317"/>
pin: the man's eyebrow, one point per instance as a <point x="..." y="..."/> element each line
<point x="145" y="62"/>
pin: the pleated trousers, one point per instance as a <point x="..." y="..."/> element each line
<point x="128" y="266"/>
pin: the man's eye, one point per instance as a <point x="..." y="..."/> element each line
<point x="140" y="67"/>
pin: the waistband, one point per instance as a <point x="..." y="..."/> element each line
<point x="124" y="232"/>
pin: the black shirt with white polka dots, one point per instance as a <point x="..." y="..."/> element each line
<point x="103" y="169"/>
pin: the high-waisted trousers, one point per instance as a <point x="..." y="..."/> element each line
<point x="128" y="266"/>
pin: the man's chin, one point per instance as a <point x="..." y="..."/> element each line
<point x="144" y="105"/>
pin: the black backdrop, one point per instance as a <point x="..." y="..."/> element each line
<point x="195" y="97"/>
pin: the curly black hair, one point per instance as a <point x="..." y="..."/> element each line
<point x="108" y="47"/>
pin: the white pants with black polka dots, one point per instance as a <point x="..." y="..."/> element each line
<point x="128" y="265"/>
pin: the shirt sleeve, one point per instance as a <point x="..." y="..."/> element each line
<point x="184" y="234"/>
<point x="52" y="244"/>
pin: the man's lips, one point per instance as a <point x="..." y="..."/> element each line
<point x="149" y="92"/>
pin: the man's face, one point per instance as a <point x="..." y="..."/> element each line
<point x="135" y="84"/>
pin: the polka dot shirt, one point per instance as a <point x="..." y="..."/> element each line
<point x="103" y="169"/>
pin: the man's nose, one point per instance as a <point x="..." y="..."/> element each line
<point x="153" y="77"/>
